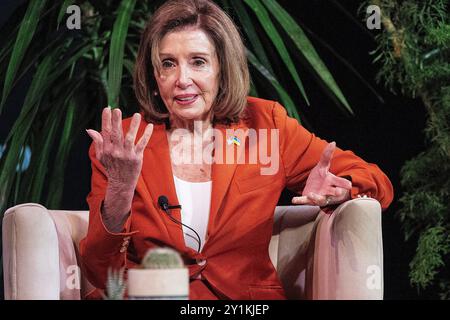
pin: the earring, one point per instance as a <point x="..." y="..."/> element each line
<point x="155" y="93"/>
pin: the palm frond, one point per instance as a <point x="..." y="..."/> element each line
<point x="306" y="48"/>
<point x="253" y="37"/>
<point x="268" y="26"/>
<point x="116" y="53"/>
<point x="284" y="96"/>
<point x="24" y="37"/>
<point x="62" y="12"/>
<point x="21" y="128"/>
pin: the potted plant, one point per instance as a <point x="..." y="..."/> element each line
<point x="162" y="275"/>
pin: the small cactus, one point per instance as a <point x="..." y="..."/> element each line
<point x="115" y="285"/>
<point x="162" y="258"/>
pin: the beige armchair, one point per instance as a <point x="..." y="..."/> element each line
<point x="317" y="256"/>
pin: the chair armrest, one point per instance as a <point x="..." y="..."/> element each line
<point x="30" y="253"/>
<point x="348" y="253"/>
<point x="292" y="233"/>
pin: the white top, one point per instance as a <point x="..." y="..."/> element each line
<point x="195" y="199"/>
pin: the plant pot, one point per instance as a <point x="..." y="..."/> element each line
<point x="158" y="284"/>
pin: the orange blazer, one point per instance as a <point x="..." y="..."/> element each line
<point x="234" y="262"/>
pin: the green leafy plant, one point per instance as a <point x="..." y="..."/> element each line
<point x="115" y="285"/>
<point x="414" y="54"/>
<point x="155" y="258"/>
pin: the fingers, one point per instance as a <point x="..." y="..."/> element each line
<point x="116" y="128"/>
<point x="319" y="200"/>
<point x="312" y="199"/>
<point x="142" y="143"/>
<point x="131" y="134"/>
<point x="112" y="132"/>
<point x="98" y="141"/>
<point x="106" y="127"/>
<point x="337" y="196"/>
<point x="341" y="182"/>
<point x="325" y="158"/>
<point x="301" y="200"/>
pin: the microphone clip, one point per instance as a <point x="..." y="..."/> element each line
<point x="163" y="203"/>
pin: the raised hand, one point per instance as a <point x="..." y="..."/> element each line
<point x="120" y="156"/>
<point x="122" y="160"/>
<point x="322" y="187"/>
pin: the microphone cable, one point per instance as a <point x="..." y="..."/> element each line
<point x="163" y="203"/>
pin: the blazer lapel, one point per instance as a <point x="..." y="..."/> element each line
<point x="158" y="177"/>
<point x="222" y="168"/>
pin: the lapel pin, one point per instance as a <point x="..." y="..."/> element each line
<point x="234" y="140"/>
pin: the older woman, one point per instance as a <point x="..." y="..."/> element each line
<point x="200" y="142"/>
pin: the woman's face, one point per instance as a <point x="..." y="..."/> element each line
<point x="188" y="81"/>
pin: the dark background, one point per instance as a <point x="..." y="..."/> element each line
<point x="386" y="133"/>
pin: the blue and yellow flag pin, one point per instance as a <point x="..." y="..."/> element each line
<point x="234" y="140"/>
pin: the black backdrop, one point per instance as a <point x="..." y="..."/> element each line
<point x="386" y="133"/>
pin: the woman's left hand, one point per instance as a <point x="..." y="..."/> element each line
<point x="322" y="187"/>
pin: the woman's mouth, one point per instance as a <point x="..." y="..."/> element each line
<point x="186" y="99"/>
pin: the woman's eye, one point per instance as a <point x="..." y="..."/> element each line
<point x="199" y="62"/>
<point x="167" y="64"/>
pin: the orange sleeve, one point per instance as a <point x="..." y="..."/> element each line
<point x="301" y="150"/>
<point x="101" y="249"/>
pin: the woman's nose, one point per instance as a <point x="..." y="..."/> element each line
<point x="184" y="77"/>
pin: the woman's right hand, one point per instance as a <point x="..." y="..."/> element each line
<point x="119" y="155"/>
<point x="122" y="160"/>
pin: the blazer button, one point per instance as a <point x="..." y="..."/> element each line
<point x="200" y="262"/>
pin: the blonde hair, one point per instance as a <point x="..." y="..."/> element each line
<point x="234" y="78"/>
